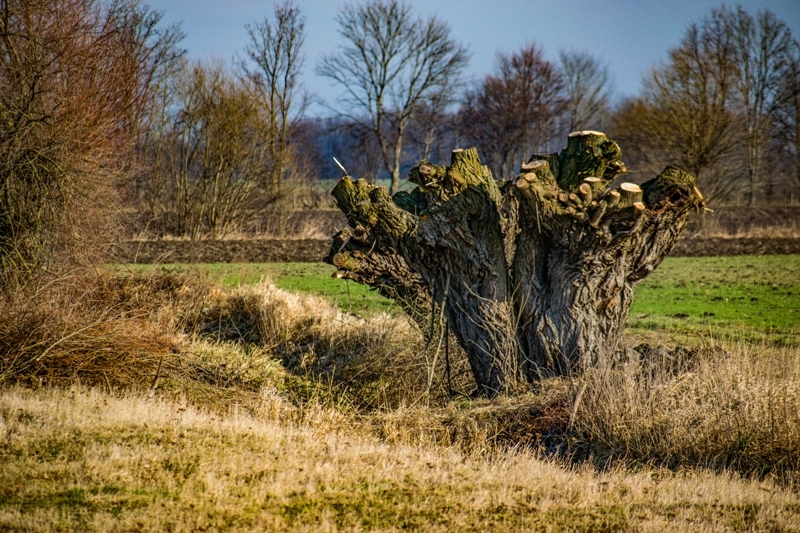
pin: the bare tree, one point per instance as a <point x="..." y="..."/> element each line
<point x="760" y="46"/>
<point x="156" y="49"/>
<point x="391" y="65"/>
<point x="589" y="89"/>
<point x="787" y="117"/>
<point x="685" y="113"/>
<point x="152" y="54"/>
<point x="209" y="154"/>
<point x="275" y="49"/>
<point x="631" y="123"/>
<point x="515" y="111"/>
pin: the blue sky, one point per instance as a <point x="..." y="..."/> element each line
<point x="630" y="36"/>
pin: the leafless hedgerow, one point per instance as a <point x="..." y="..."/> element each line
<point x="207" y="158"/>
<point x="73" y="77"/>
<point x="223" y="143"/>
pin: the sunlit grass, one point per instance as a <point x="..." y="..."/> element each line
<point x="88" y="461"/>
<point x="312" y="278"/>
<point x="745" y="297"/>
<point x="742" y="297"/>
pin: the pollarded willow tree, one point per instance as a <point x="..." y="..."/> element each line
<point x="534" y="275"/>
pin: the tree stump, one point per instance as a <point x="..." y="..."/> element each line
<point x="535" y="276"/>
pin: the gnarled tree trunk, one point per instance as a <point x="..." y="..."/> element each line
<point x="535" y="275"/>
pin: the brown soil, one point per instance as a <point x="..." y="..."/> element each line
<point x="728" y="231"/>
<point x="735" y="220"/>
<point x="701" y="247"/>
<point x="313" y="250"/>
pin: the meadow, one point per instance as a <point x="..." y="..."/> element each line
<point x="272" y="397"/>
<point x="745" y="297"/>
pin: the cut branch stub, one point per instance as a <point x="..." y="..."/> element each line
<point x="589" y="154"/>
<point x="672" y="188"/>
<point x="629" y="194"/>
<point x="538" y="171"/>
<point x="541" y="197"/>
<point x="345" y="261"/>
<point x="595" y="184"/>
<point x="551" y="160"/>
<point x="612" y="199"/>
<point x="535" y="282"/>
<point x="585" y="192"/>
<point x="598" y="213"/>
<point x="372" y="208"/>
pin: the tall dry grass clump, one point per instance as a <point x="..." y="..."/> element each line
<point x="735" y="408"/>
<point x="128" y="330"/>
<point x="94" y="327"/>
<point x="376" y="362"/>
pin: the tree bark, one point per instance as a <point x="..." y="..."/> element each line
<point x="536" y="274"/>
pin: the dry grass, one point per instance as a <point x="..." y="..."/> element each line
<point x="88" y="327"/>
<point x="280" y="223"/>
<point x="723" y="407"/>
<point x="736" y="408"/>
<point x="84" y="460"/>
<point x="775" y="227"/>
<point x="369" y="363"/>
<point x="276" y="410"/>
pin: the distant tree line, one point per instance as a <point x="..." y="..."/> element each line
<point x="228" y="144"/>
<point x="723" y="105"/>
<point x="101" y="110"/>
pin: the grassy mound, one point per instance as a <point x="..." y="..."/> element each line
<point x="93" y="328"/>
<point x="82" y="460"/>
<point x="189" y="375"/>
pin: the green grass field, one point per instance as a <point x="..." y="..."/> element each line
<point x="743" y="296"/>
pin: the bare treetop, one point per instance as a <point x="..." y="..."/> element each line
<point x="589" y="89"/>
<point x="391" y="65"/>
<point x="684" y="116"/>
<point x="514" y="111"/>
<point x="275" y="48"/>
